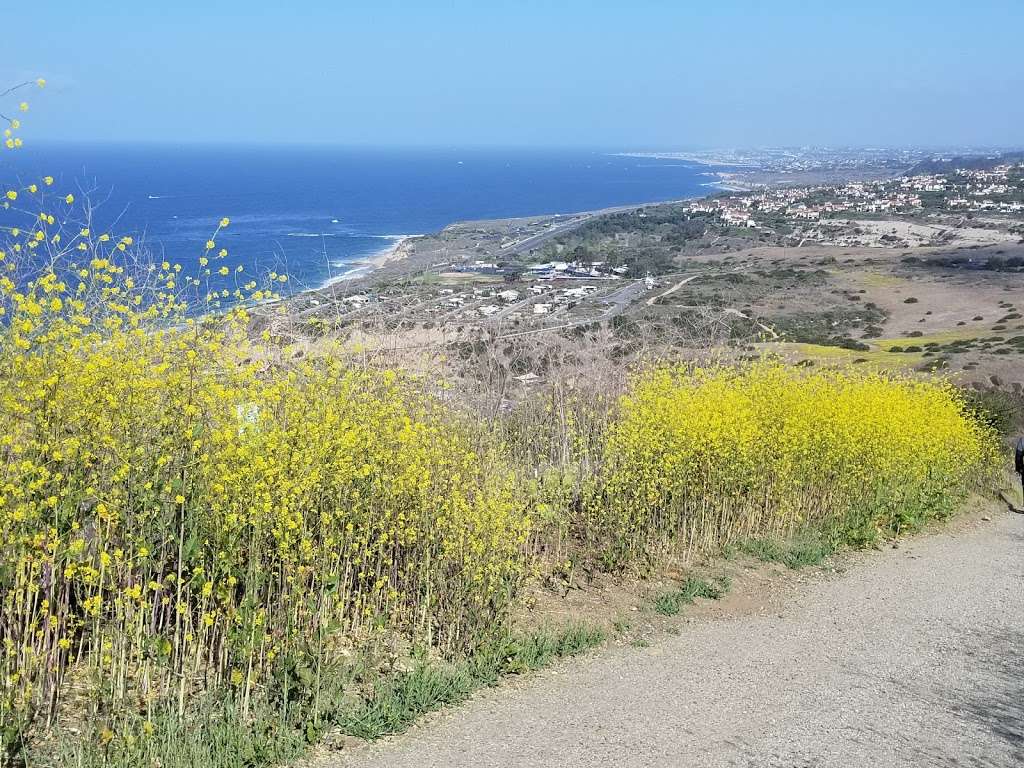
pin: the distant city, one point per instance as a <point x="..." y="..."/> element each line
<point x="803" y="159"/>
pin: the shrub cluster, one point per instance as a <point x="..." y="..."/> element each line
<point x="703" y="456"/>
<point x="182" y="511"/>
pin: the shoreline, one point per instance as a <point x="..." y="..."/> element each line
<point x="365" y="266"/>
<point x="696" y="159"/>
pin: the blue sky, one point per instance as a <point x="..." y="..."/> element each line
<point x="642" y="74"/>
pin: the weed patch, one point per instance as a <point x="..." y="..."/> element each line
<point x="795" y="553"/>
<point x="670" y="603"/>
<point x="219" y="734"/>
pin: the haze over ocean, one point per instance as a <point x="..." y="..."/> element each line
<point x="315" y="212"/>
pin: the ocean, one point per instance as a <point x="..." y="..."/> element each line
<point x="316" y="213"/>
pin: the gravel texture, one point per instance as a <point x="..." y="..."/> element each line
<point x="912" y="657"/>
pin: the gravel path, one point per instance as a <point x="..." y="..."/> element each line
<point x="913" y="657"/>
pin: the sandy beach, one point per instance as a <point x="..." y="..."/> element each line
<point x="394" y="252"/>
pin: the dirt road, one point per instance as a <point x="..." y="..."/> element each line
<point x="912" y="657"/>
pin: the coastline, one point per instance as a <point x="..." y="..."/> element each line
<point x="365" y="266"/>
<point x="725" y="180"/>
<point x="727" y="183"/>
<point x="400" y="248"/>
<point x="697" y="159"/>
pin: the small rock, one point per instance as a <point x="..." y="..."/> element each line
<point x="986" y="519"/>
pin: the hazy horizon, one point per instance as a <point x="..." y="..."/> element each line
<point x="654" y="76"/>
<point x="218" y="143"/>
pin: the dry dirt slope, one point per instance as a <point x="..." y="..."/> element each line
<point x="913" y="657"/>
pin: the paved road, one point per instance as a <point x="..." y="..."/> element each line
<point x="557" y="227"/>
<point x="913" y="657"/>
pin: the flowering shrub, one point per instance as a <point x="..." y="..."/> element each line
<point x="702" y="456"/>
<point x="11" y="139"/>
<point x="181" y="510"/>
<point x="178" y="512"/>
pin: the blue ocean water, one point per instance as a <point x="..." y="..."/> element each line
<point x="316" y="212"/>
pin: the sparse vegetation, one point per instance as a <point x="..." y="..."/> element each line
<point x="219" y="732"/>
<point x="807" y="549"/>
<point x="670" y="603"/>
<point x="1001" y="410"/>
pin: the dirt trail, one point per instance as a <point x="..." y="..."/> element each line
<point x="912" y="657"/>
<point x="673" y="289"/>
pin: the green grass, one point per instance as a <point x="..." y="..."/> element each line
<point x="878" y="280"/>
<point x="670" y="603"/>
<point x="214" y="735"/>
<point x="831" y="354"/>
<point x="885" y="352"/>
<point x="218" y="735"/>
<point x="940" y="337"/>
<point x="795" y="553"/>
<point x="393" y="705"/>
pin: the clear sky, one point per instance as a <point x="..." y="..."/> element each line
<point x="640" y="74"/>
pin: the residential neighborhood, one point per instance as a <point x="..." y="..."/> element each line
<point x="999" y="190"/>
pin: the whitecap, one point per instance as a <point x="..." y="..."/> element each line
<point x="348" y="234"/>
